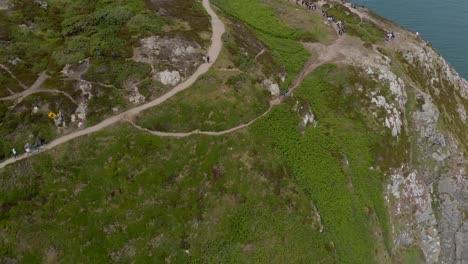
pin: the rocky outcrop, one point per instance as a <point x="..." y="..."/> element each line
<point x="173" y="53"/>
<point x="4" y="4"/>
<point x="428" y="196"/>
<point x="168" y="77"/>
<point x="410" y="202"/>
<point x="272" y="87"/>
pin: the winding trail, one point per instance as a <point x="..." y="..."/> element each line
<point x="208" y="133"/>
<point x="13" y="76"/>
<point x="213" y="52"/>
<point x="327" y="54"/>
<point x="33" y="89"/>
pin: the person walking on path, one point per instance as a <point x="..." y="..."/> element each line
<point x="27" y="148"/>
<point x="15" y="153"/>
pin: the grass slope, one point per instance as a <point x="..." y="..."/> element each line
<point x="332" y="163"/>
<point x="283" y="41"/>
<point x="128" y="196"/>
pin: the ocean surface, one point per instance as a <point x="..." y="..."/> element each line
<point x="443" y="23"/>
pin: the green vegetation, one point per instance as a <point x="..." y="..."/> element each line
<point x="331" y="162"/>
<point x="122" y="195"/>
<point x="129" y="196"/>
<point x="67" y="32"/>
<point x="219" y="100"/>
<point x="228" y="95"/>
<point x="302" y="19"/>
<point x="283" y="41"/>
<point x="365" y="30"/>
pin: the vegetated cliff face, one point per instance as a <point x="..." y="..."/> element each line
<point x="428" y="193"/>
<point x="425" y="109"/>
<point x="422" y="102"/>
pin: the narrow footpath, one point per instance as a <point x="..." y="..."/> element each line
<point x="213" y="52"/>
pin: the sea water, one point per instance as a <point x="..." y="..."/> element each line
<point x="444" y="24"/>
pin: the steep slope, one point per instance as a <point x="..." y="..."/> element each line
<point x="360" y="158"/>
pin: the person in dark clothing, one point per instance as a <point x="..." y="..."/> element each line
<point x="208" y="59"/>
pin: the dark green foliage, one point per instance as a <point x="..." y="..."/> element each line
<point x="225" y="199"/>
<point x="331" y="162"/>
<point x="366" y="30"/>
<point x="217" y="101"/>
<point x="115" y="71"/>
<point x="280" y="39"/>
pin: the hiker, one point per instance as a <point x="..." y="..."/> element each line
<point x="204" y="59"/>
<point x="37" y="145"/>
<point x="208" y="59"/>
<point x="42" y="140"/>
<point x="417" y="34"/>
<point x="15" y="153"/>
<point x="27" y="148"/>
<point x="339" y="24"/>
<point x="389" y="36"/>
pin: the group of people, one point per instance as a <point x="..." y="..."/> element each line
<point x="341" y="27"/>
<point x="206" y="59"/>
<point x="307" y="3"/>
<point x="331" y="19"/>
<point x="29" y="148"/>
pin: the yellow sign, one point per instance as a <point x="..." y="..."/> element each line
<point x="52" y="115"/>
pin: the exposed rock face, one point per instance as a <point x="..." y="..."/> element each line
<point x="307" y="116"/>
<point x="426" y="123"/>
<point x="79" y="117"/>
<point x="174" y="53"/>
<point x="428" y="198"/>
<point x="135" y="96"/>
<point x="168" y="77"/>
<point x="271" y="86"/>
<point x="410" y="201"/>
<point x="4" y="4"/>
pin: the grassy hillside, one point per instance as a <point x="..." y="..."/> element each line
<point x="144" y="198"/>
<point x="231" y="93"/>
<point x="276" y="192"/>
<point x="121" y="194"/>
<point x="332" y="162"/>
<point x="35" y="40"/>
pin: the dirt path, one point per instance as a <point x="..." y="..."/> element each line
<point x="213" y="52"/>
<point x="208" y="133"/>
<point x="13" y="76"/>
<point x="326" y="54"/>
<point x="33" y="89"/>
